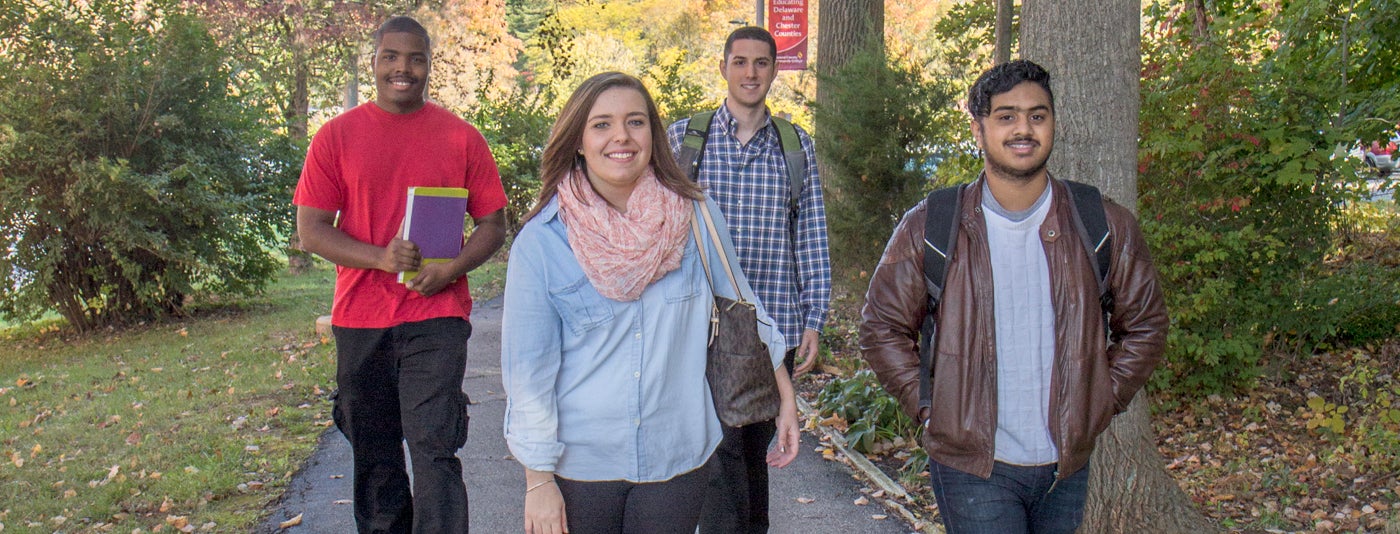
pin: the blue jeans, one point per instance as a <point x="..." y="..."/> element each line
<point x="1015" y="499"/>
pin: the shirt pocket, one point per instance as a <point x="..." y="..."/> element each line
<point x="580" y="306"/>
<point x="690" y="278"/>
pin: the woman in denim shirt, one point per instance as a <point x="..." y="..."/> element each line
<point x="606" y="323"/>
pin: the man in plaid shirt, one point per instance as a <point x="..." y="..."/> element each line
<point x="784" y="255"/>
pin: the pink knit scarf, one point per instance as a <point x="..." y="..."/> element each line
<point x="623" y="253"/>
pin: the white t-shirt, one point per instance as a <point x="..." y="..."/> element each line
<point x="1025" y="331"/>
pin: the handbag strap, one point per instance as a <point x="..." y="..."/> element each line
<point x="719" y="248"/>
<point x="704" y="257"/>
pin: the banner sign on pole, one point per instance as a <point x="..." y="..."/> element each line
<point x="787" y="21"/>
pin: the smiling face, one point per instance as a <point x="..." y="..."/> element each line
<point x="616" y="143"/>
<point x="401" y="66"/>
<point x="1017" y="136"/>
<point x="749" y="69"/>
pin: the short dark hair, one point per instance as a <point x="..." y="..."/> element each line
<point x="1003" y="78"/>
<point x="754" y="33"/>
<point x="402" y="24"/>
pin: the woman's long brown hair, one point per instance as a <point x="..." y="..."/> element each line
<point x="561" y="153"/>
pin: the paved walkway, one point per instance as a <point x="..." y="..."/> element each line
<point x="810" y="496"/>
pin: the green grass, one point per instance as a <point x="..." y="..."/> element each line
<point x="199" y="421"/>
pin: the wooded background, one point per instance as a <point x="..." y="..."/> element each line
<point x="148" y="148"/>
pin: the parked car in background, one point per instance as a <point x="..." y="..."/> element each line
<point x="1381" y="157"/>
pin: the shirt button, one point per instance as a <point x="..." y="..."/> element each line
<point x="638" y="335"/>
<point x="637" y="421"/>
<point x="637" y="374"/>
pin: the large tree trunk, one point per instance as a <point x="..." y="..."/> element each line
<point x="1092" y="50"/>
<point x="1001" y="51"/>
<point x="845" y="28"/>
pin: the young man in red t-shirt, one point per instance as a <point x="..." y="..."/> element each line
<point x="401" y="349"/>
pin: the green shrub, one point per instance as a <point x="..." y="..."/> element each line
<point x="873" y="418"/>
<point x="677" y="95"/>
<point x="516" y="125"/>
<point x="1240" y="189"/>
<point x="881" y="144"/>
<point x="133" y="177"/>
<point x="1355" y="305"/>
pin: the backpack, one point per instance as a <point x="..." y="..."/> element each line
<point x="697" y="133"/>
<point x="944" y="209"/>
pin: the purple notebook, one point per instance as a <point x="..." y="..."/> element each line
<point x="433" y="220"/>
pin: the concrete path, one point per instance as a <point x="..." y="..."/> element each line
<point x="810" y="496"/>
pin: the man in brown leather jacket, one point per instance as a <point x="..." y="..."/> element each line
<point x="1024" y="375"/>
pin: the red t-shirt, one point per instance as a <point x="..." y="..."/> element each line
<point x="361" y="164"/>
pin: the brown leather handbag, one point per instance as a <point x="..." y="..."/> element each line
<point x="738" y="368"/>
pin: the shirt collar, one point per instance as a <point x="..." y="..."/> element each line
<point x="550" y="209"/>
<point x="726" y="119"/>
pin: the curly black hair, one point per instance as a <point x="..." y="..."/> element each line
<point x="1003" y="78"/>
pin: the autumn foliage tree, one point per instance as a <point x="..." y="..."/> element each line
<point x="131" y="175"/>
<point x="473" y="52"/>
<point x="291" y="53"/>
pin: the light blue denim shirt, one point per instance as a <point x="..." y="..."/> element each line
<point x="604" y="390"/>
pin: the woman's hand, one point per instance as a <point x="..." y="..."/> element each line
<point x="544" y="505"/>
<point x="788" y="433"/>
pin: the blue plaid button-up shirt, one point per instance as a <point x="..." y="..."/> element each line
<point x="789" y="267"/>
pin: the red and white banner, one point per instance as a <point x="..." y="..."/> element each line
<point x="787" y="21"/>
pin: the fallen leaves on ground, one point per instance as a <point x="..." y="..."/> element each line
<point x="1251" y="461"/>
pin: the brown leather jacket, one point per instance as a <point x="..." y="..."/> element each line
<point x="1092" y="379"/>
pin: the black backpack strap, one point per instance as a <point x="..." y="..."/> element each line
<point x="1092" y="223"/>
<point x="692" y="148"/>
<point x="795" y="159"/>
<point x="943" y="209"/>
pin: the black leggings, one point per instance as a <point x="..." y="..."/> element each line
<point x="621" y="507"/>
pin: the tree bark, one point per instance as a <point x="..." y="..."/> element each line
<point x="1001" y="52"/>
<point x="298" y="260"/>
<point x="1092" y="50"/>
<point x="845" y="28"/>
<point x="1198" y="12"/>
<point x="352" y="78"/>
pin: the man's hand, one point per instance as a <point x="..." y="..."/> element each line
<point x="807" y="353"/>
<point x="432" y="278"/>
<point x="400" y="255"/>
